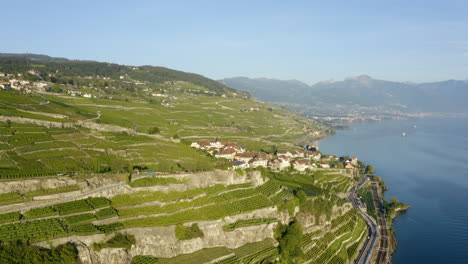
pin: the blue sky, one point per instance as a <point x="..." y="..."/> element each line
<point x="311" y="41"/>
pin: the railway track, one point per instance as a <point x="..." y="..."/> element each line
<point x="383" y="252"/>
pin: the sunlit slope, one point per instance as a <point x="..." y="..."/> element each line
<point x="46" y="133"/>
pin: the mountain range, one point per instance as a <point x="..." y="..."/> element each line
<point x="360" y="91"/>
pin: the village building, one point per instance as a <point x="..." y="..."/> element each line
<point x="324" y="165"/>
<point x="40" y="84"/>
<point x="234" y="145"/>
<point x="239" y="165"/>
<point x="159" y="95"/>
<point x="226" y="153"/>
<point x="258" y="161"/>
<point x="5" y="85"/>
<point x="211" y="150"/>
<point x="206" y="144"/>
<point x="284" y="153"/>
<point x="35" y="72"/>
<point x="73" y="92"/>
<point x="2" y="74"/>
<point x="290" y="154"/>
<point x="315" y="155"/>
<point x="300" y="164"/>
<point x="349" y="166"/>
<point x="297" y="154"/>
<point x="24" y="82"/>
<point x="279" y="163"/>
<point x="263" y="155"/>
<point x="16" y="84"/>
<point x="246" y="156"/>
<point x="354" y="161"/>
<point x="227" y="150"/>
<point x="200" y="144"/>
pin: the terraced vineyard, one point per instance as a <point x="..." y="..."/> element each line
<point x="335" y="183"/>
<point x="32" y="230"/>
<point x="146" y="118"/>
<point x="249" y="253"/>
<point x="76" y="217"/>
<point x="52" y="191"/>
<point x="9" y="217"/>
<point x="337" y="245"/>
<point x="48" y="134"/>
<point x="40" y="212"/>
<point x="249" y="222"/>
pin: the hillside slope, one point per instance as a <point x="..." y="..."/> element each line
<point x="77" y="116"/>
<point x="61" y="71"/>
<point x="97" y="166"/>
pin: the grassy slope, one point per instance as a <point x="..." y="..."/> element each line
<point x="193" y="117"/>
<point x="28" y="148"/>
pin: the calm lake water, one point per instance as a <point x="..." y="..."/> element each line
<point x="427" y="169"/>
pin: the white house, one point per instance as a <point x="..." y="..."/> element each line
<point x="73" y="92"/>
<point x="226" y="153"/>
<point x="279" y="163"/>
<point x="301" y="164"/>
<point x="35" y="72"/>
<point x="234" y="145"/>
<point x="216" y="144"/>
<point x="206" y="144"/>
<point x="324" y="165"/>
<point x="283" y="153"/>
<point x="257" y="162"/>
<point x="315" y="155"/>
<point x="246" y="156"/>
<point x="297" y="154"/>
<point x="5" y="85"/>
<point x="15" y="84"/>
<point x="239" y="165"/>
<point x="40" y="84"/>
<point x="87" y="95"/>
<point x="290" y="154"/>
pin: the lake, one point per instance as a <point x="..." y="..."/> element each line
<point x="427" y="169"/>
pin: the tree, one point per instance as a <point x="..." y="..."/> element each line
<point x="290" y="239"/>
<point x="154" y="130"/>
<point x="302" y="196"/>
<point x="370" y="169"/>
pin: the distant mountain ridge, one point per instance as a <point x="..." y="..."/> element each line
<point x="33" y="56"/>
<point x="263" y="88"/>
<point x="444" y="96"/>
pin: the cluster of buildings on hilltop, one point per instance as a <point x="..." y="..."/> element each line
<point x="283" y="159"/>
<point x="17" y="82"/>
